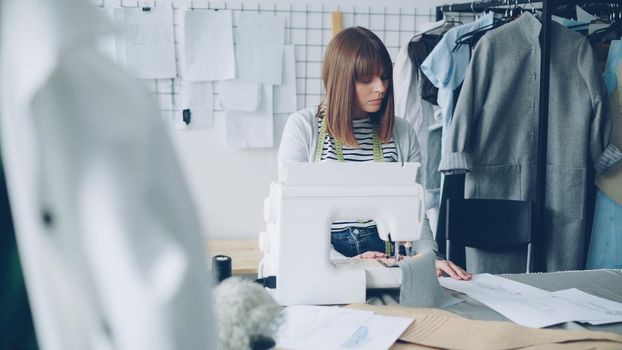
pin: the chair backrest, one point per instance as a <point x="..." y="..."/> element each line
<point x="488" y="224"/>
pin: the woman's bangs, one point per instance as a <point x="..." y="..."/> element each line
<point x="368" y="64"/>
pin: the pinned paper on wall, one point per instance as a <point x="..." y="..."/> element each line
<point x="259" y="49"/>
<point x="145" y="44"/>
<point x="196" y="108"/>
<point x="209" y="45"/>
<point x="285" y="94"/>
<point x="251" y="129"/>
<point x="235" y="95"/>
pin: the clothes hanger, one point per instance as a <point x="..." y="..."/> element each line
<point x="472" y="37"/>
<point x="452" y="18"/>
<point x="447" y="23"/>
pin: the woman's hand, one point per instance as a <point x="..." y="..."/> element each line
<point x="447" y="268"/>
<point x="371" y="255"/>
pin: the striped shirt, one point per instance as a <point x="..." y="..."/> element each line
<point x="365" y="153"/>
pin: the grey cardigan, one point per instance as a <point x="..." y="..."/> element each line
<point x="299" y="142"/>
<point x="494" y="130"/>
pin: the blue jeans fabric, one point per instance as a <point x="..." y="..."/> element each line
<point x="605" y="251"/>
<point x="353" y="241"/>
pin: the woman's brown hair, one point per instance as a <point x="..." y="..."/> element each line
<point x="355" y="54"/>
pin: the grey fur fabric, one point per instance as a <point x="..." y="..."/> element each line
<point x="244" y="311"/>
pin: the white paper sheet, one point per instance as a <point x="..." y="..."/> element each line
<point x="594" y="310"/>
<point x="259" y="50"/>
<point x="379" y="332"/>
<point x="285" y="94"/>
<point x="533" y="307"/>
<point x="209" y="45"/>
<point x="251" y="129"/>
<point x="319" y="327"/>
<point x="235" y="95"/>
<point x="198" y="98"/>
<point x="147" y="44"/>
<point x="487" y="285"/>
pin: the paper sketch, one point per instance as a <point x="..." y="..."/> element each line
<point x="533" y="307"/>
<point x="326" y="327"/>
<point x="146" y="41"/>
<point x="259" y="49"/>
<point x="208" y="38"/>
<point x="318" y="327"/>
<point x="285" y="94"/>
<point x="196" y="105"/>
<point x="379" y="332"/>
<point x="251" y="129"/>
<point x="235" y="95"/>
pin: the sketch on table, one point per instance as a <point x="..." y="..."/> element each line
<point x="497" y="289"/>
<point x="358" y="339"/>
<point x="592" y="307"/>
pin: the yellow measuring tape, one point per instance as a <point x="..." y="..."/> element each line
<point x="378" y="155"/>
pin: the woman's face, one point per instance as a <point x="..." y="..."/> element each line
<point x="369" y="95"/>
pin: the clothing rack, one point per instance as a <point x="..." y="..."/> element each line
<point x="454" y="184"/>
<point x="560" y="8"/>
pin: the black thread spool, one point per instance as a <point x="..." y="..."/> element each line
<point x="221" y="267"/>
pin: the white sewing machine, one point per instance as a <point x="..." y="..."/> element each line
<point x="299" y="213"/>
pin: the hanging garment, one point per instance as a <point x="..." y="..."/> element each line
<point x="403" y="70"/>
<point x="494" y="130"/>
<point x="605" y="250"/>
<point x="611" y="181"/>
<point x="446" y="67"/>
<point x="418" y="51"/>
<point x="606" y="242"/>
<point x="423" y="115"/>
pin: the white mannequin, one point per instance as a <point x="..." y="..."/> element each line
<point x="110" y="244"/>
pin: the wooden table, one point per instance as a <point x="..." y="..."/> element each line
<point x="244" y="253"/>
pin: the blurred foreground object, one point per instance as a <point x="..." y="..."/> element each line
<point x="247" y="316"/>
<point x="109" y="240"/>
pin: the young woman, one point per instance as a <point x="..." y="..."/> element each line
<point x="355" y="123"/>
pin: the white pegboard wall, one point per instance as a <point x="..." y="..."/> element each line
<point x="308" y="27"/>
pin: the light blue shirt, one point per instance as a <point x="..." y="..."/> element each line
<point x="613" y="60"/>
<point x="446" y="68"/>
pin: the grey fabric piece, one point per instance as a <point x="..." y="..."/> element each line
<point x="420" y="286"/>
<point x="495" y="127"/>
<point x="506" y="260"/>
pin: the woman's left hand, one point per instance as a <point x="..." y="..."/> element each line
<point x="447" y="268"/>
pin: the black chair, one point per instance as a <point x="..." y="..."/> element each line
<point x="496" y="230"/>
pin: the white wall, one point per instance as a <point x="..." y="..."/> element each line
<point x="229" y="185"/>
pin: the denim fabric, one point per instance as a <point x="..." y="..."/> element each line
<point x="605" y="250"/>
<point x="353" y="241"/>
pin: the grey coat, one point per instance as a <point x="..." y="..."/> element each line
<point x="495" y="127"/>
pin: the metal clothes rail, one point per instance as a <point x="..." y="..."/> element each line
<point x="454" y="184"/>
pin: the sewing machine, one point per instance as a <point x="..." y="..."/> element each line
<point x="300" y="210"/>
